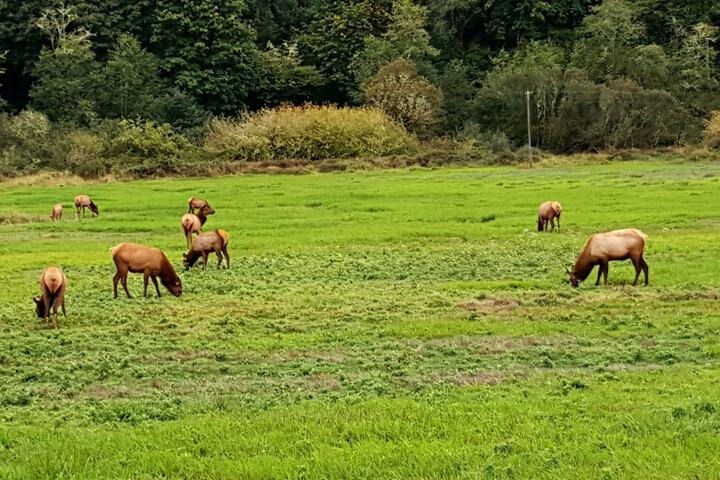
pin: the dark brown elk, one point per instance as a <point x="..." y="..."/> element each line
<point x="82" y="202"/>
<point x="206" y="243"/>
<point x="192" y="223"/>
<point x="56" y="213"/>
<point x="603" y="248"/>
<point x="547" y="213"/>
<point x="53" y="285"/>
<point x="199" y="203"/>
<point x="151" y="262"/>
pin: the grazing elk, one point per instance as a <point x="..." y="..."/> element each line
<point x="216" y="241"/>
<point x="83" y="202"/>
<point x="192" y="223"/>
<point x="199" y="203"/>
<point x="56" y="213"/>
<point x="603" y="248"/>
<point x="53" y="284"/>
<point x="548" y="212"/>
<point x="151" y="262"/>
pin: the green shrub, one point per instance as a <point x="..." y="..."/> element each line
<point x="144" y="148"/>
<point x="495" y="142"/>
<point x="85" y="153"/>
<point x="146" y="139"/>
<point x="309" y="132"/>
<point x="407" y="97"/>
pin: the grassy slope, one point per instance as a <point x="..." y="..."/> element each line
<point x="401" y="323"/>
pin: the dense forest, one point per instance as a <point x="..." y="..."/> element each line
<point x="610" y="74"/>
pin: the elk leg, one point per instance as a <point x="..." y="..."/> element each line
<point x="205" y="260"/>
<point x="55" y="311"/>
<point x="636" y="264"/>
<point x="558" y="219"/>
<point x="605" y="272"/>
<point x="124" y="284"/>
<point x="227" y="257"/>
<point x="116" y="278"/>
<point x="157" y="289"/>
<point x="145" y="283"/>
<point x="63" y="308"/>
<point x="220" y="258"/>
<point x="600" y="271"/>
<point x="552" y="223"/>
<point x="47" y="303"/>
<point x="646" y="270"/>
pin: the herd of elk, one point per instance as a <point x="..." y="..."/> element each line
<point x="599" y="250"/>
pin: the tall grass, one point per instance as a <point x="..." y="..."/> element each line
<point x="309" y="132"/>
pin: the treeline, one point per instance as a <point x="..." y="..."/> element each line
<point x="80" y="77"/>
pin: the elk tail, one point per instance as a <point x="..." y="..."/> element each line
<point x="224" y="235"/>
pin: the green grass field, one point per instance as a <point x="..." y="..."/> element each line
<point x="384" y="324"/>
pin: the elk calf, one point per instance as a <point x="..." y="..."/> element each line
<point x="206" y="243"/>
<point x="56" y="213"/>
<point x="192" y="223"/>
<point x="53" y="284"/>
<point x="83" y="202"/>
<point x="197" y="204"/>
<point x="547" y="212"/>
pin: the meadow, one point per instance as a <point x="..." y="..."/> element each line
<point x="382" y="324"/>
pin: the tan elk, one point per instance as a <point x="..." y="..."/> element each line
<point x="191" y="223"/>
<point x="56" y="213"/>
<point x="151" y="262"/>
<point x="603" y="248"/>
<point x="203" y="245"/>
<point x="82" y="202"/>
<point x="197" y="204"/>
<point x="53" y="285"/>
<point x="547" y="213"/>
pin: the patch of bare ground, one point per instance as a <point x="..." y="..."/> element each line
<point x="494" y="344"/>
<point x="325" y="356"/>
<point x="104" y="392"/>
<point x="480" y="378"/>
<point x="690" y="295"/>
<point x="624" y="367"/>
<point x="489" y="305"/>
<point x="184" y="355"/>
<point x="323" y="382"/>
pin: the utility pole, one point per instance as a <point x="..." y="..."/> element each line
<point x="527" y="97"/>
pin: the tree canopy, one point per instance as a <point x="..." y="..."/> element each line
<point x="182" y="61"/>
